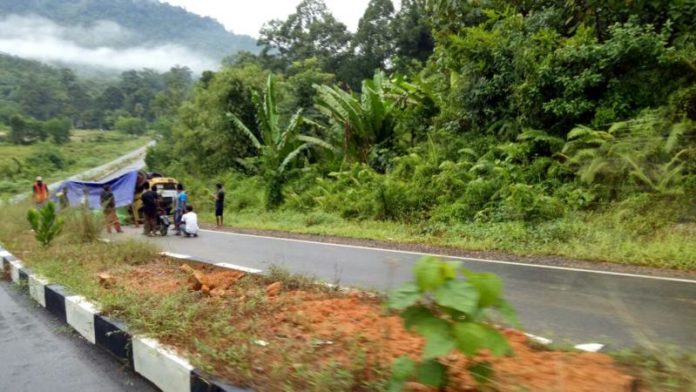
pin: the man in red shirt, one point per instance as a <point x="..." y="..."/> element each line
<point x="40" y="192"/>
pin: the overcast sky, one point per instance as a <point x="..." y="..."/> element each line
<point x="247" y="16"/>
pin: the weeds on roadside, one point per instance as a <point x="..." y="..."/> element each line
<point x="83" y="225"/>
<point x="661" y="369"/>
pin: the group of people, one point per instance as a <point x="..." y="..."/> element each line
<point x="185" y="219"/>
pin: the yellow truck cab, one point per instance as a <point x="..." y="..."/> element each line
<point x="166" y="189"/>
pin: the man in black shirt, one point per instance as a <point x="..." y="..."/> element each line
<point x="219" y="205"/>
<point x="149" y="199"/>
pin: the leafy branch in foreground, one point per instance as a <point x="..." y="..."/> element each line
<point x="451" y="312"/>
<point x="46" y="223"/>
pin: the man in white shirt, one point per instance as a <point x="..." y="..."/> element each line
<point x="190" y="221"/>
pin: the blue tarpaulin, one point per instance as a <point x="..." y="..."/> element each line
<point x="123" y="188"/>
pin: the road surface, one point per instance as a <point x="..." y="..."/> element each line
<point x="40" y="353"/>
<point x="564" y="304"/>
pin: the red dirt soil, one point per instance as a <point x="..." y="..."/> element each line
<point x="338" y="321"/>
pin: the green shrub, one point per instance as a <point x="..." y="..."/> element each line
<point x="131" y="125"/>
<point x="46" y="223"/>
<point x="58" y="130"/>
<point x="49" y="160"/>
<point x="451" y="312"/>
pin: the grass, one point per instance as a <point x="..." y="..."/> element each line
<point x="599" y="237"/>
<point x="219" y="335"/>
<point x="19" y="165"/>
<point x="661" y="369"/>
<point x="643" y="230"/>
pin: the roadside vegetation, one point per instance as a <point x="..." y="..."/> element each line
<point x="20" y="164"/>
<point x="284" y="332"/>
<point x="534" y="129"/>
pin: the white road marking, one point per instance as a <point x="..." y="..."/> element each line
<point x="589" y="347"/>
<point x="553" y="267"/>
<point x="175" y="255"/>
<point x="539" y="339"/>
<point x="239" y="268"/>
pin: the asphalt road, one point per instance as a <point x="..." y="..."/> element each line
<point x="39" y="353"/>
<point x="563" y="304"/>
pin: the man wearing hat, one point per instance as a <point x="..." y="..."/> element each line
<point x="40" y="192"/>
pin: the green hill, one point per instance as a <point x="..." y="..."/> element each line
<point x="147" y="23"/>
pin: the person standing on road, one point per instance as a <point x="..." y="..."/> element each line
<point x="149" y="199"/>
<point x="180" y="207"/>
<point x="108" y="203"/>
<point x="40" y="192"/>
<point x="219" y="205"/>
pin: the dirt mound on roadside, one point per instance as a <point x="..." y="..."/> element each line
<point x="215" y="282"/>
<point x="321" y="329"/>
<point x="341" y="322"/>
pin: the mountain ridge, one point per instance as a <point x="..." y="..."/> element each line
<point x="147" y="22"/>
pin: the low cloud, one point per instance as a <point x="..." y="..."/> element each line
<point x="103" y="44"/>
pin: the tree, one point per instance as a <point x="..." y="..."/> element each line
<point x="373" y="42"/>
<point x="111" y="99"/>
<point x="303" y="75"/>
<point x="310" y="32"/>
<point x="279" y="146"/>
<point x="411" y="35"/>
<point x="25" y="131"/>
<point x="178" y="82"/>
<point x="58" y="130"/>
<point x="131" y="125"/>
<point x="78" y="100"/>
<point x="203" y="138"/>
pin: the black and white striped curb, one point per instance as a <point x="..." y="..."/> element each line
<point x="160" y="365"/>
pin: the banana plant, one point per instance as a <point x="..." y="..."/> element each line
<point x="278" y="145"/>
<point x="363" y="120"/>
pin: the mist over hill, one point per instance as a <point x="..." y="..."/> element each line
<point x="115" y="34"/>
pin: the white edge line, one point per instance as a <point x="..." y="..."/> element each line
<point x="239" y="268"/>
<point x="176" y="255"/>
<point x="461" y="258"/>
<point x="539" y="339"/>
<point x="589" y="347"/>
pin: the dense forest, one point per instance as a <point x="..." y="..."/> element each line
<point x="147" y="22"/>
<point x="522" y="122"/>
<point x="34" y="98"/>
<point x="532" y="127"/>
